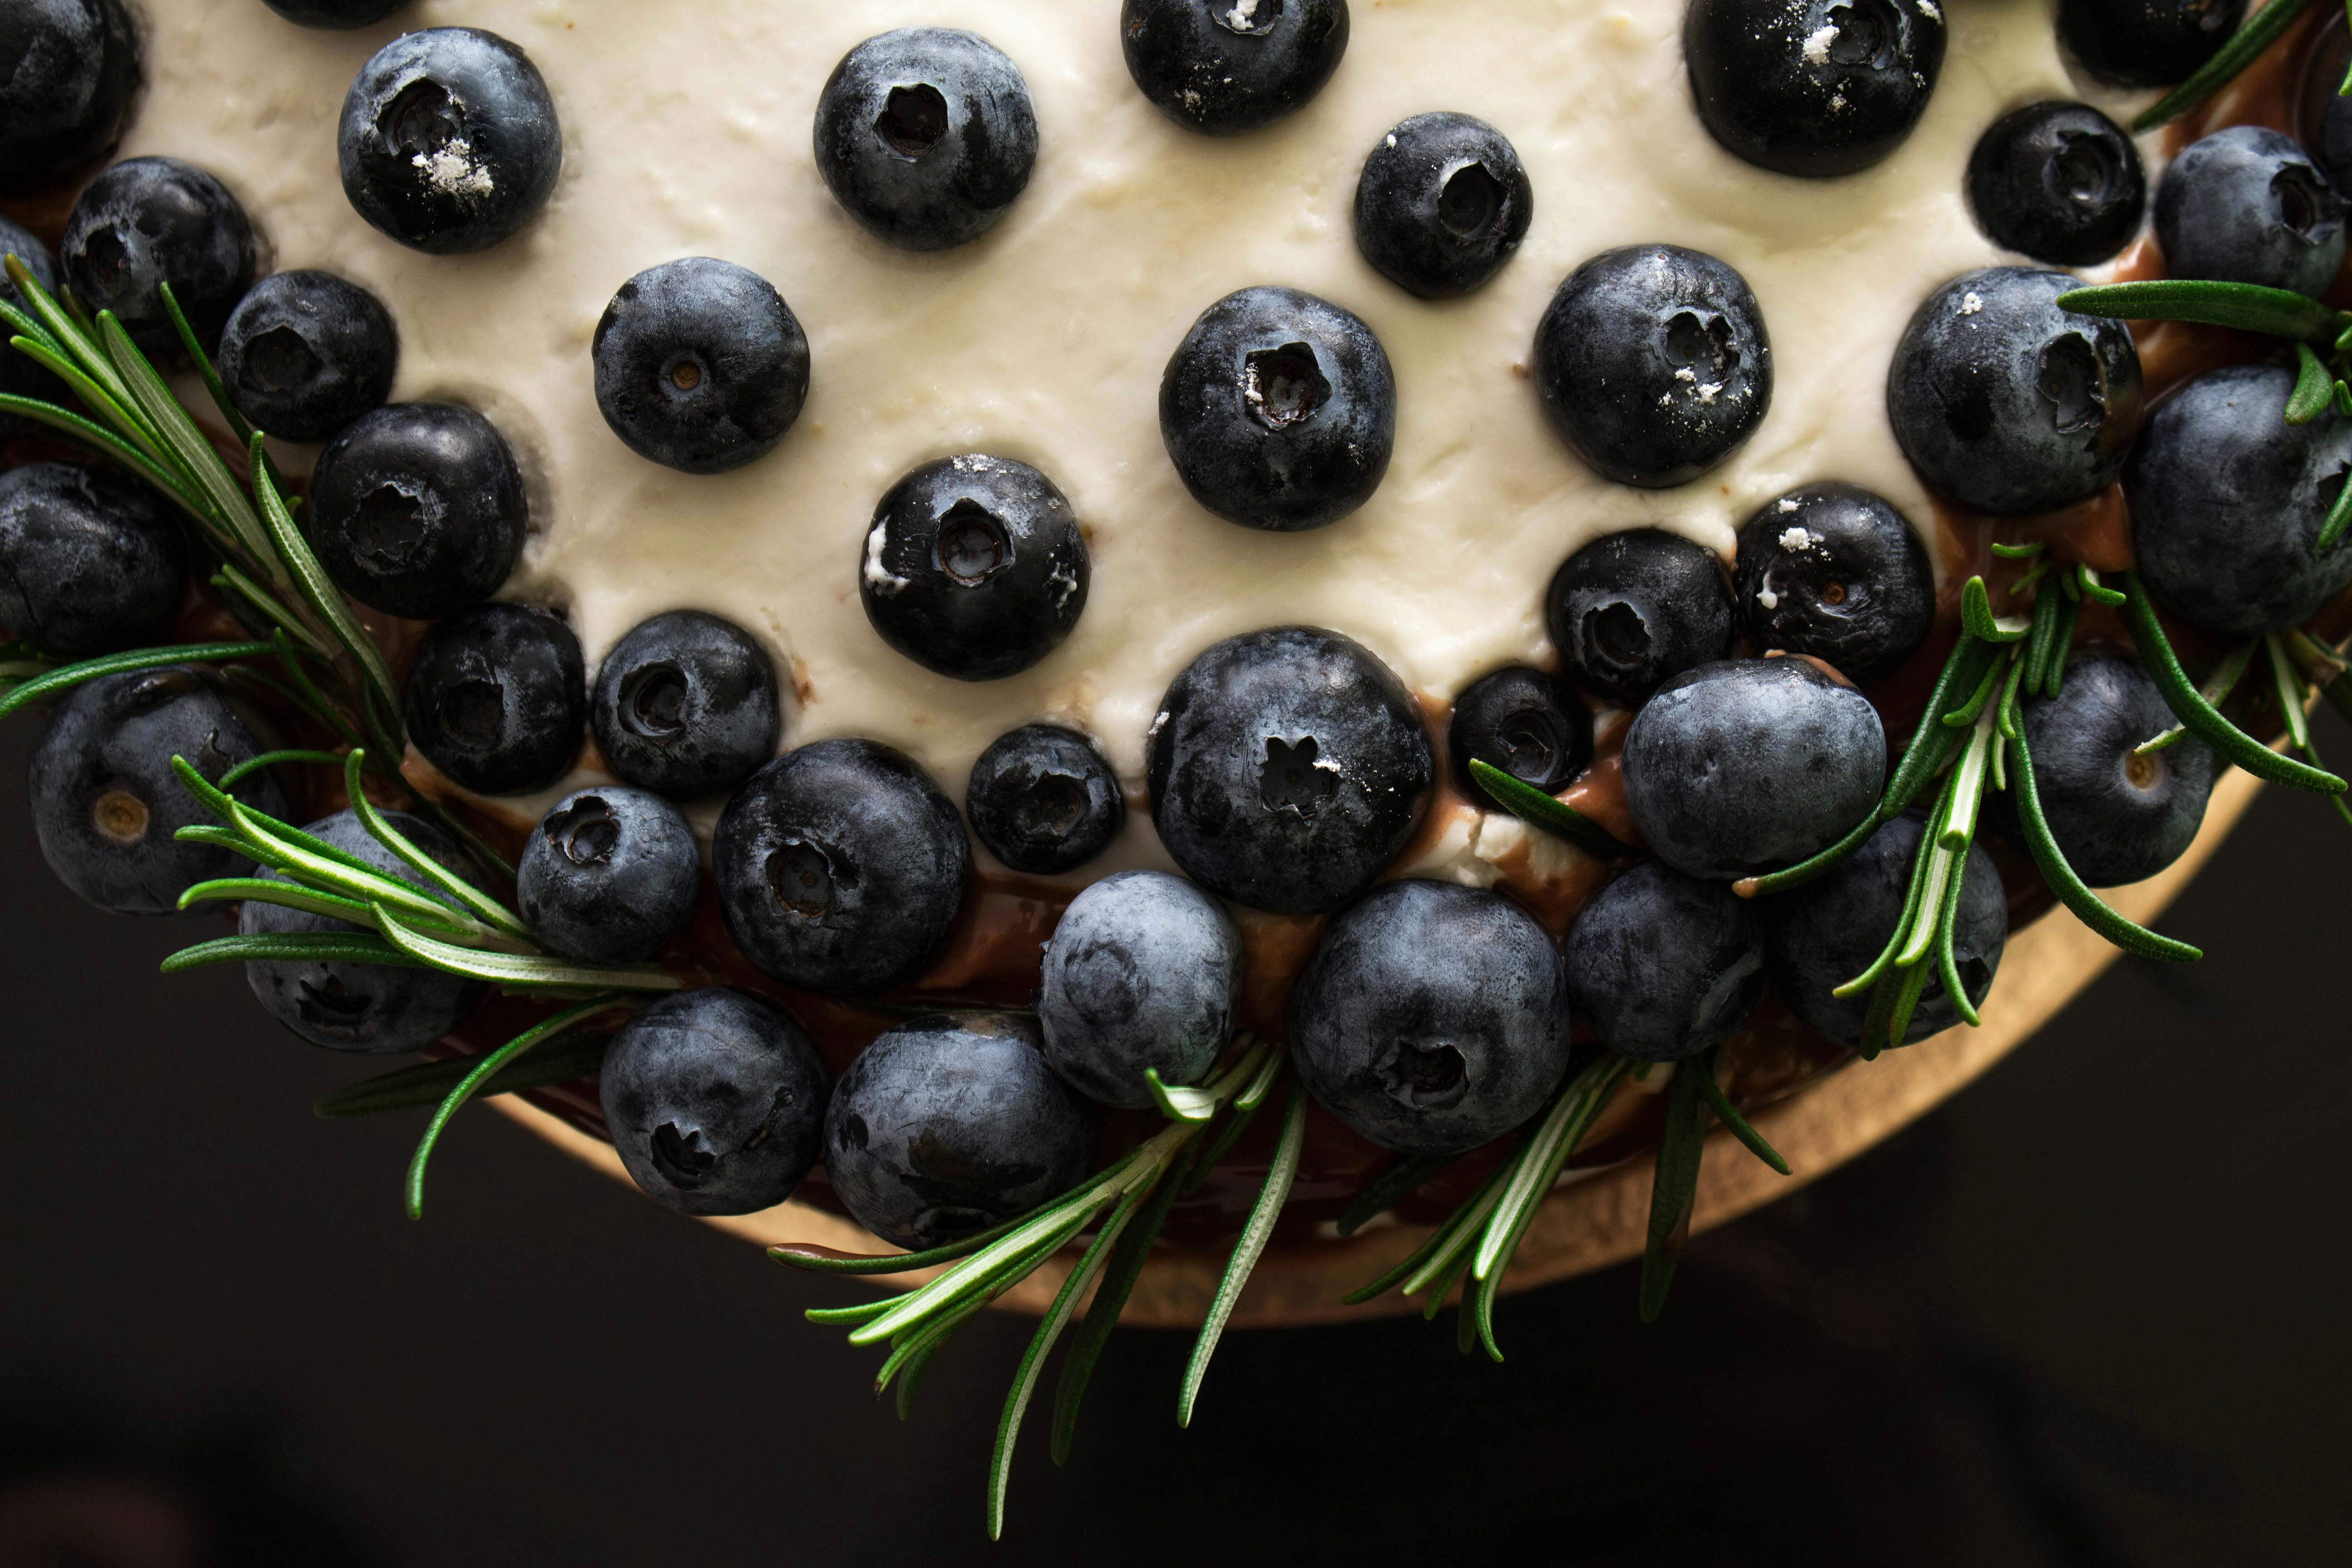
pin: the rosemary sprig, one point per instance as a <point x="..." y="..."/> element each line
<point x="49" y="681"/>
<point x="2254" y="35"/>
<point x="1556" y="818"/>
<point x="563" y="1061"/>
<point x="484" y="1070"/>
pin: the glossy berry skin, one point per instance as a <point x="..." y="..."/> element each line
<point x="1661" y="966"/>
<point x="90" y="562"/>
<point x="700" y="365"/>
<point x="951" y="1124"/>
<point x="2060" y="182"/>
<point x="2145" y="43"/>
<point x="1653" y="364"/>
<point x="1820" y="936"/>
<point x="305" y="353"/>
<point x="336" y="15"/>
<point x="1140" y="974"/>
<point x="448" y="140"/>
<point x="608" y="875"/>
<point x="974" y="567"/>
<point x="1287" y="768"/>
<point x="73" y="79"/>
<point x="840" y="867"/>
<point x="926" y="136"/>
<point x="1816" y="88"/>
<point x="19" y="376"/>
<point x="1631" y="611"/>
<point x="2117" y="817"/>
<point x="686" y="705"/>
<point x="1442" y="202"/>
<point x="106" y="803"/>
<point x="497" y="699"/>
<point x="1227" y="69"/>
<point x="2228" y="499"/>
<point x="417" y="509"/>
<point x="1741" y="767"/>
<point x="147" y="221"/>
<point x="715" y="1101"/>
<point x="1432" y="1019"/>
<point x="1833" y="571"/>
<point x="1044" y="800"/>
<point x="2248" y="204"/>
<point x="1527" y="723"/>
<point x="1280" y="410"/>
<point x="2006" y="404"/>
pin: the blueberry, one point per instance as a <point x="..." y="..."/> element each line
<point x="925" y="135"/>
<point x="1044" y="800"/>
<point x="1140" y="974"/>
<point x="686" y="705"/>
<point x="608" y="875"/>
<point x="1432" y="1019"/>
<point x="2249" y="206"/>
<point x="106" y="803"/>
<point x="2117" y="817"/>
<point x="1661" y="966"/>
<point x="2006" y="404"/>
<point x="2228" y="499"/>
<point x="2060" y="182"/>
<point x="1631" y="611"/>
<point x="948" y="1125"/>
<point x="72" y="79"/>
<point x="418" y="509"/>
<point x="715" y="1101"/>
<point x="1287" y="768"/>
<point x="305" y="353"/>
<point x="337" y="15"/>
<point x="1833" y="571"/>
<point x="974" y="567"/>
<point x="448" y="142"/>
<point x="700" y="365"/>
<point x="1742" y="766"/>
<point x="1525" y="722"/>
<point x="1653" y="364"/>
<point x="1226" y="66"/>
<point x="19" y="376"/>
<point x="1280" y="410"/>
<point x="497" y="699"/>
<point x="1817" y="87"/>
<point x="840" y="867"/>
<point x="2145" y="43"/>
<point x="1442" y="202"/>
<point x="1822" y="934"/>
<point x="145" y="222"/>
<point x="90" y="562"/>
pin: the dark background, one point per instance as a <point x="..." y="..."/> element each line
<point x="2093" y="1311"/>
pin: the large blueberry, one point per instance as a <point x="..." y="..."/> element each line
<point x="2118" y="816"/>
<point x="305" y="353"/>
<point x="1044" y="800"/>
<point x="2145" y="43"/>
<point x="448" y="140"/>
<point x="1524" y="721"/>
<point x="2248" y="204"/>
<point x="700" y="365"/>
<point x="925" y="135"/>
<point x="1817" y="88"/>
<point x="1225" y="66"/>
<point x="608" y="875"/>
<point x="686" y="705"/>
<point x="1631" y="611"/>
<point x="145" y="222"/>
<point x="1140" y="974"/>
<point x="417" y="509"/>
<point x="19" y="376"/>
<point x="2060" y="182"/>
<point x="72" y="77"/>
<point x="1660" y="966"/>
<point x="1833" y="571"/>
<point x="90" y="562"/>
<point x="1442" y="202"/>
<point x="1287" y="768"/>
<point x="497" y="699"/>
<point x="336" y="15"/>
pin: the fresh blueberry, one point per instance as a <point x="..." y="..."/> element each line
<point x="1660" y="966"/>
<point x="2060" y="182"/>
<point x="608" y="875"/>
<point x="72" y="77"/>
<point x="1442" y="204"/>
<point x="1816" y="88"/>
<point x="2006" y="404"/>
<point x="974" y="567"/>
<point x="106" y="803"/>
<point x="145" y="222"/>
<point x="1653" y="364"/>
<point x="417" y="509"/>
<point x="1044" y="800"/>
<point x="1833" y="571"/>
<point x="1432" y="1019"/>
<point x="2145" y="43"/>
<point x="1140" y="974"/>
<point x="840" y="867"/>
<point x="951" y="1124"/>
<point x="1822" y="934"/>
<point x="2118" y="816"/>
<point x="715" y="1101"/>
<point x="2228" y="499"/>
<point x="1287" y="768"/>
<point x="1525" y="722"/>
<point x="448" y="140"/>
<point x="686" y="705"/>
<point x="340" y="15"/>
<point x="497" y="699"/>
<point x="700" y="365"/>
<point x="1226" y="66"/>
<point x="1280" y="410"/>
<point x="925" y="135"/>
<point x="90" y="562"/>
<point x="1631" y="611"/>
<point x="19" y="376"/>
<point x="2247" y="205"/>
<point x="1749" y="764"/>
<point x="305" y="353"/>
